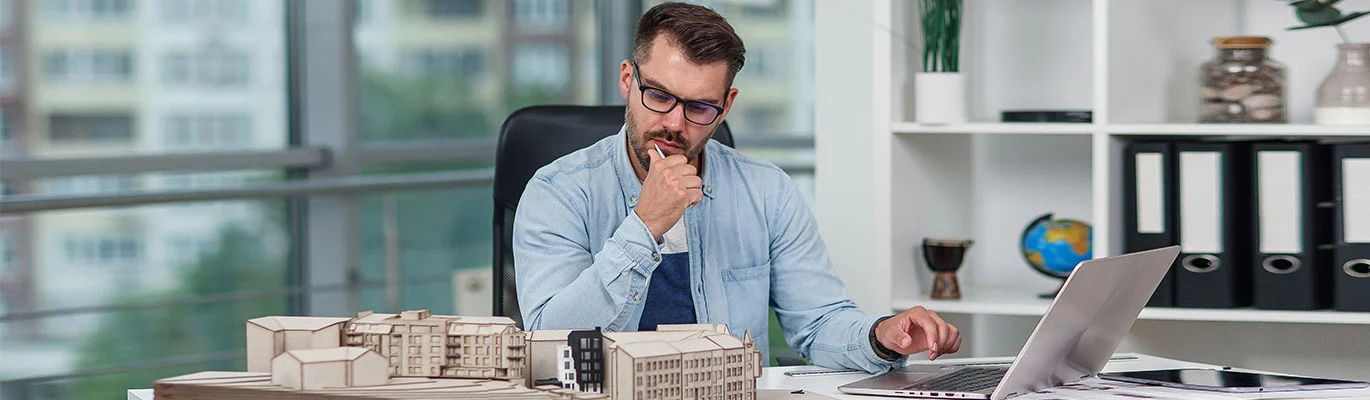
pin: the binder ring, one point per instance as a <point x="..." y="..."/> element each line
<point x="1351" y="268"/>
<point x="1188" y="263"/>
<point x="1269" y="264"/>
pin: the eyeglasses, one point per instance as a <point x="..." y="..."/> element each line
<point x="663" y="102"/>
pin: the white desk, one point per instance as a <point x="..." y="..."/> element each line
<point x="775" y="378"/>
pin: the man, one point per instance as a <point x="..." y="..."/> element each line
<point x="661" y="225"/>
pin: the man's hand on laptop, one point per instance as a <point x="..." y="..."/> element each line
<point x="918" y="330"/>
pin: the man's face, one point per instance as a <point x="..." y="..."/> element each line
<point x="668" y="72"/>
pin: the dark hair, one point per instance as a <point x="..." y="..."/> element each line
<point x="705" y="36"/>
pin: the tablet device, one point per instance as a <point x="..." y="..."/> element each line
<point x="1230" y="381"/>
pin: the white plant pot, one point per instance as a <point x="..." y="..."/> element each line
<point x="939" y="98"/>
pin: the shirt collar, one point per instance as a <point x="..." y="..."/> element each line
<point x="627" y="177"/>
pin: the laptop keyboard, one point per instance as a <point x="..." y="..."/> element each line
<point x="963" y="380"/>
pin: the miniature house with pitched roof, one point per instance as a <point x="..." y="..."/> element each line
<point x="339" y="367"/>
<point x="268" y="337"/>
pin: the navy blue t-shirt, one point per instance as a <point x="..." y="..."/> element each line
<point x="668" y="291"/>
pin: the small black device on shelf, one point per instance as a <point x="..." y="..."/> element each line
<point x="1084" y="116"/>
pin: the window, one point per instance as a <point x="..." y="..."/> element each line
<point x="542" y="65"/>
<point x="765" y="61"/>
<point x="454" y="8"/>
<point x="98" y="184"/>
<point x="102" y="250"/>
<point x="206" y="180"/>
<point x="6" y="69"/>
<point x="184" y="249"/>
<point x="189" y="12"/>
<point x="8" y="251"/>
<point x="212" y="67"/>
<point x="87" y="9"/>
<point x="541" y="14"/>
<point x="6" y="129"/>
<point x="216" y="132"/>
<point x="467" y="65"/>
<point x="89" y="66"/>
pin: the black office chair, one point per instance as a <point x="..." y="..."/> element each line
<point x="531" y="138"/>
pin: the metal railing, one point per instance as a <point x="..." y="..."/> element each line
<point x="419" y="152"/>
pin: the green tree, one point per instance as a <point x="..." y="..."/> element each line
<point x="241" y="263"/>
<point x="401" y="107"/>
<point x="444" y="229"/>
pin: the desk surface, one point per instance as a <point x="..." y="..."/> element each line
<point x="826" y="384"/>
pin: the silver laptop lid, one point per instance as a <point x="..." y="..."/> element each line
<point x="1087" y="321"/>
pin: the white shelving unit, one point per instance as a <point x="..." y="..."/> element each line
<point x="885" y="182"/>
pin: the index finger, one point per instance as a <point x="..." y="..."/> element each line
<point x="929" y="327"/>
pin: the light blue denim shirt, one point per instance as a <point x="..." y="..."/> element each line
<point x="583" y="257"/>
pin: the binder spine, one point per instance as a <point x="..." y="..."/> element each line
<point x="1351" y="179"/>
<point x="1291" y="232"/>
<point x="1214" y="185"/>
<point x="1149" y="207"/>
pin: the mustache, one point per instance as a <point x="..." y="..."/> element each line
<point x="675" y="138"/>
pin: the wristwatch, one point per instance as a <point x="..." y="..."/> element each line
<point x="880" y="350"/>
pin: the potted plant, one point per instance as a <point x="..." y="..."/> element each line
<point x="1344" y="96"/>
<point x="940" y="89"/>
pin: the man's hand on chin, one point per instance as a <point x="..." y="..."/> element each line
<point x="918" y="330"/>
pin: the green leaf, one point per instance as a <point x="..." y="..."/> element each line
<point x="1313" y="17"/>
<point x="1338" y="21"/>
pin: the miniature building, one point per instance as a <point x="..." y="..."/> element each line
<point x="338" y="367"/>
<point x="268" y="337"/>
<point x="566" y="370"/>
<point x="387" y="356"/>
<point x="542" y="354"/>
<point x="587" y="349"/>
<point x="739" y="374"/>
<point x="418" y="344"/>
<point x="679" y="363"/>
<point x="646" y="370"/>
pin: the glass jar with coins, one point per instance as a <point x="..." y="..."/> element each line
<point x="1242" y="84"/>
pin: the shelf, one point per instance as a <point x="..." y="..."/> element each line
<point x="1032" y="128"/>
<point x="1018" y="301"/>
<point x="1026" y="128"/>
<point x="1237" y="129"/>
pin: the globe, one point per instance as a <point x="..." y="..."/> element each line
<point x="1055" y="246"/>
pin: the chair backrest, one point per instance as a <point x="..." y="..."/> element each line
<point x="531" y="138"/>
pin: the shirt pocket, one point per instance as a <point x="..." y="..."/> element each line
<point x="748" y="291"/>
<point x="738" y="275"/>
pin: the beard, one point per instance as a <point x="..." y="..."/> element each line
<point x="644" y="153"/>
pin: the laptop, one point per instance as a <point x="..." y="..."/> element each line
<point x="1074" y="339"/>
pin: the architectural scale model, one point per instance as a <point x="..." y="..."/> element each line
<point x="416" y="354"/>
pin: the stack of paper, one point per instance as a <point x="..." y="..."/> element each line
<point x="1100" y="389"/>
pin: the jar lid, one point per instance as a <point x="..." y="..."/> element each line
<point x="1242" y="42"/>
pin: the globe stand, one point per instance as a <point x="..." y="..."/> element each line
<point x="1053" y="293"/>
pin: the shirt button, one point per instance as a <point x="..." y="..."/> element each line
<point x="632" y="199"/>
<point x="656" y="257"/>
<point x="636" y="297"/>
<point x="709" y="190"/>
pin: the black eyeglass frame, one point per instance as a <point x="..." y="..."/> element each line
<point x="642" y="97"/>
